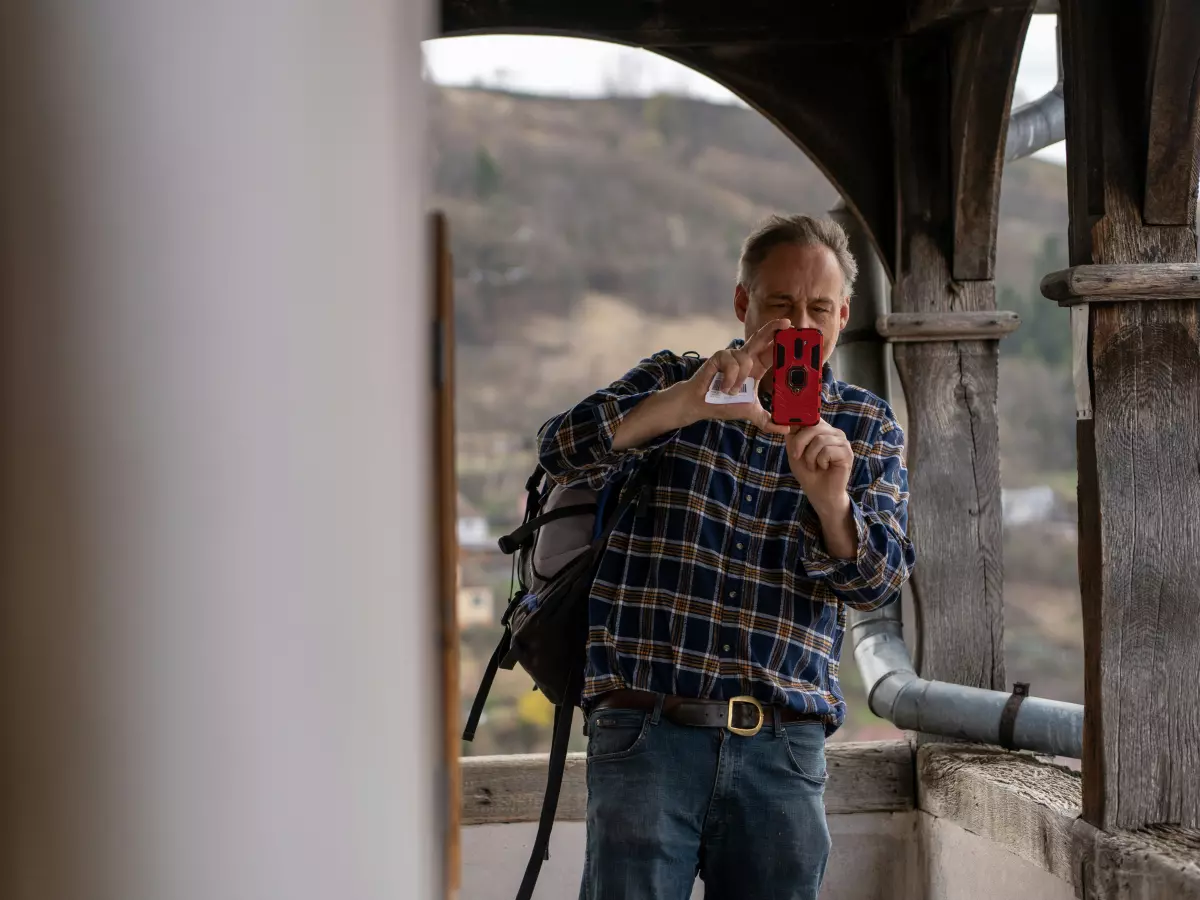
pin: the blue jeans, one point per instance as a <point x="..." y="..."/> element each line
<point x="667" y="802"/>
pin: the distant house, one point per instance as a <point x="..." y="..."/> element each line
<point x="1022" y="506"/>
<point x="472" y="525"/>
<point x="476" y="605"/>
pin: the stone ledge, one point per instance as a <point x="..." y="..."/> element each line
<point x="871" y="776"/>
<point x="1031" y="808"/>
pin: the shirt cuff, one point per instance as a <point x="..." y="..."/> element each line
<point x="817" y="561"/>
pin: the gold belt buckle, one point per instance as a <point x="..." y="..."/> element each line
<point x="744" y="732"/>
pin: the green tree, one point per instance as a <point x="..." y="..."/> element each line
<point x="1045" y="332"/>
<point x="487" y="174"/>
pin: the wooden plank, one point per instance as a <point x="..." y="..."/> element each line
<point x="950" y="391"/>
<point x="1030" y="807"/>
<point x="1139" y="555"/>
<point x="1172" y="164"/>
<point x="1129" y="281"/>
<point x="986" y="53"/>
<point x="445" y="514"/>
<point x="962" y="325"/>
<point x="510" y="788"/>
<point x="1146" y="383"/>
<point x="1010" y="798"/>
<point x="875" y="776"/>
<point x="679" y="23"/>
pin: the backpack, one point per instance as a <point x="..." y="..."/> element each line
<point x="556" y="551"/>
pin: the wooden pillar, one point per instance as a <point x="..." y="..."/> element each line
<point x="1133" y="113"/>
<point x="216" y="645"/>
<point x="952" y="88"/>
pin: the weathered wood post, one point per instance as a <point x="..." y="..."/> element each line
<point x="216" y="647"/>
<point x="1133" y="116"/>
<point x="951" y="96"/>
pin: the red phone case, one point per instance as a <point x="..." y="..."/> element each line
<point x="796" y="393"/>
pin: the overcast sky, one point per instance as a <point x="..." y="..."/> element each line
<point x="577" y="68"/>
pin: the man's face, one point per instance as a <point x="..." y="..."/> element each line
<point x="801" y="283"/>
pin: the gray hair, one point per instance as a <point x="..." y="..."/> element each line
<point x="802" y="230"/>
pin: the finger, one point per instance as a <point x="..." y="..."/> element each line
<point x="814" y="448"/>
<point x="831" y="455"/>
<point x="764" y="423"/>
<point x="760" y="342"/>
<point x="799" y="440"/>
<point x="835" y="453"/>
<point x="728" y="368"/>
<point x="745" y="366"/>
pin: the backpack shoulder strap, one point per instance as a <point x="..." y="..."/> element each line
<point x="515" y="539"/>
<point x="485" y="685"/>
<point x="564" y="713"/>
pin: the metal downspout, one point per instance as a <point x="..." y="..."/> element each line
<point x="894" y="689"/>
<point x="1043" y="121"/>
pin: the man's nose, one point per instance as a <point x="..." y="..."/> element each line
<point x="801" y="319"/>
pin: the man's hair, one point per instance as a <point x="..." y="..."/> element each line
<point x="802" y="230"/>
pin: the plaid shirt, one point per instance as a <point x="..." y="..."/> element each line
<point x="726" y="589"/>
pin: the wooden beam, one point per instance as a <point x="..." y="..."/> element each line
<point x="1139" y="548"/>
<point x="841" y="120"/>
<point x="1174" y="130"/>
<point x="950" y="392"/>
<point x="1128" y="281"/>
<point x="679" y="23"/>
<point x="976" y="325"/>
<point x="986" y="53"/>
<point x="1030" y="808"/>
<point x="1023" y="804"/>
<point x="927" y="13"/>
<point x="445" y="547"/>
<point x="874" y="776"/>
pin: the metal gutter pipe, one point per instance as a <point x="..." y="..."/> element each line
<point x="894" y="689"/>
<point x="1043" y="121"/>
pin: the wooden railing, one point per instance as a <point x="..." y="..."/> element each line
<point x="1024" y="806"/>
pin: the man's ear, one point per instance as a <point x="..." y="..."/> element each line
<point x="741" y="302"/>
<point x="844" y="313"/>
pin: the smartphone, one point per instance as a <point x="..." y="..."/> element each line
<point x="796" y="392"/>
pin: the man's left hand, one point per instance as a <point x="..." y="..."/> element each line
<point x="821" y="459"/>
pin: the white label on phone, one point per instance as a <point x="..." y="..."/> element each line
<point x="716" y="395"/>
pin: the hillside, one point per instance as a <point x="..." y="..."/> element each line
<point x="642" y="199"/>
<point x="590" y="233"/>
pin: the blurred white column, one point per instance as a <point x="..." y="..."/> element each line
<point x="216" y="661"/>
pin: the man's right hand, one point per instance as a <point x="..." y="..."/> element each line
<point x="683" y="402"/>
<point x="753" y="359"/>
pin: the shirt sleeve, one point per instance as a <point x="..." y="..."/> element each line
<point x="575" y="447"/>
<point x="879" y="505"/>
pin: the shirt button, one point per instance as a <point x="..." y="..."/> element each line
<point x="733" y="593"/>
<point x="726" y="648"/>
<point x="740" y="545"/>
<point x="758" y="450"/>
<point x="749" y="498"/>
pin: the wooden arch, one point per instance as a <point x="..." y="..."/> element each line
<point x="846" y="134"/>
<point x="836" y="79"/>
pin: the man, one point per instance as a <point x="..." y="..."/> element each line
<point x="734" y="585"/>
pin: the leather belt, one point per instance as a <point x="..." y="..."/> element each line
<point x="744" y="715"/>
